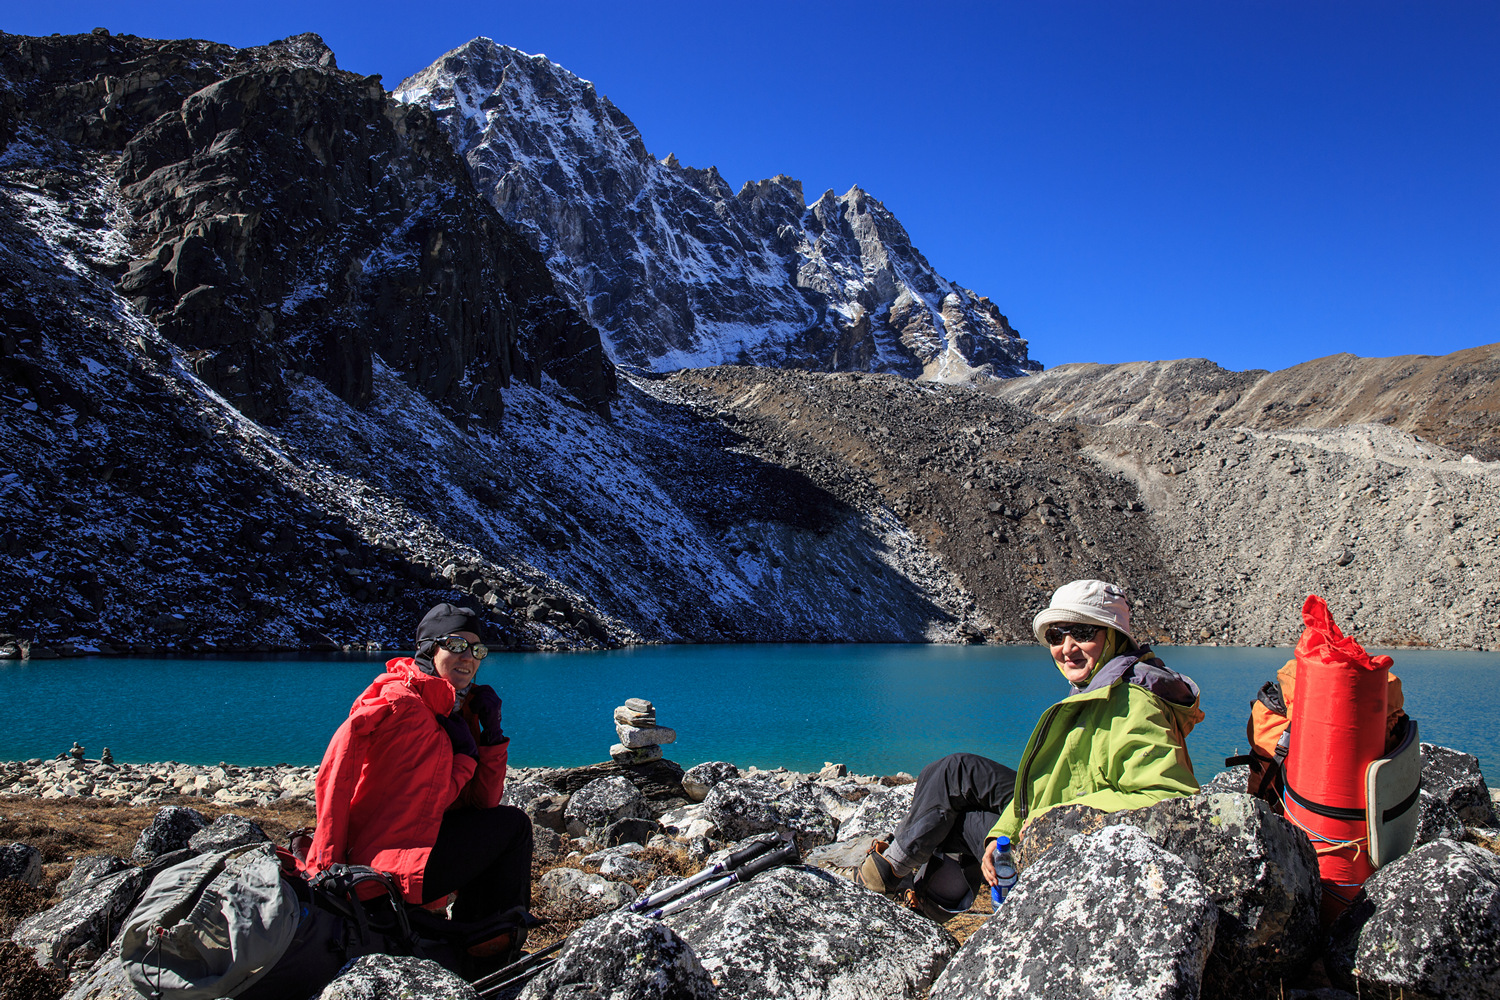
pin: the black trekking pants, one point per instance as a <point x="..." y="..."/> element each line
<point x="957" y="800"/>
<point x="485" y="856"/>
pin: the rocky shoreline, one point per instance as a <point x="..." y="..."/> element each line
<point x="1221" y="894"/>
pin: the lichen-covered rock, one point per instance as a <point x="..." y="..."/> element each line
<point x="602" y="801"/>
<point x="697" y="781"/>
<point x="1234" y="779"/>
<point x="522" y="794"/>
<point x="744" y="807"/>
<point x="1437" y="820"/>
<point x="632" y="830"/>
<point x="21" y="862"/>
<point x="1261" y="873"/>
<point x="104" y="980"/>
<point x="1109" y="914"/>
<point x="226" y="832"/>
<point x="879" y="813"/>
<point x="1428" y="926"/>
<point x="1454" y="777"/>
<point x="581" y="894"/>
<point x="546" y="844"/>
<point x="171" y="830"/>
<point x="87" y="921"/>
<point x="686" y="821"/>
<point x="809" y="935"/>
<point x="622" y="956"/>
<point x="1056" y="826"/>
<point x="87" y="869"/>
<point x="385" y="977"/>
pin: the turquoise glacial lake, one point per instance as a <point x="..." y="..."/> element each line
<point x="877" y="708"/>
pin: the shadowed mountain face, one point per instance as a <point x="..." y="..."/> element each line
<point x="258" y="329"/>
<point x="675" y="268"/>
<point x="1453" y="400"/>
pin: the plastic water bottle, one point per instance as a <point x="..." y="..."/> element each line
<point x="1005" y="871"/>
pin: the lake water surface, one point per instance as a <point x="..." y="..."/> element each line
<point x="877" y="708"/>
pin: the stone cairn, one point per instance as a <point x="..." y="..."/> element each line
<point x="641" y="739"/>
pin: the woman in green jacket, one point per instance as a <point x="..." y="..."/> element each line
<point x="1119" y="740"/>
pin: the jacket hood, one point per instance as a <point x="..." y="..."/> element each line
<point x="404" y="678"/>
<point x="1178" y="692"/>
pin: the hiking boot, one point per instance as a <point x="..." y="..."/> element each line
<point x="875" y="874"/>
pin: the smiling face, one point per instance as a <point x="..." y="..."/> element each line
<point x="457" y="669"/>
<point x="1078" y="659"/>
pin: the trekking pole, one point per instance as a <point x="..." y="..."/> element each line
<point x="741" y="866"/>
<point x="730" y="863"/>
<point x="785" y="854"/>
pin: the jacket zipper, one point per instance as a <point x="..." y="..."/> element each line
<point x="1022" y="779"/>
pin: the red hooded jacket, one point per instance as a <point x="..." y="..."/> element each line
<point x="390" y="773"/>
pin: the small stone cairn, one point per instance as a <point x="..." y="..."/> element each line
<point x="641" y="739"/>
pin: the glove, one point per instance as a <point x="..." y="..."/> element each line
<point x="459" y="733"/>
<point x="485" y="704"/>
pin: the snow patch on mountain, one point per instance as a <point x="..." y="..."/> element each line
<point x="676" y="269"/>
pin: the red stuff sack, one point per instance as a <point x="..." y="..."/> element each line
<point x="1338" y="728"/>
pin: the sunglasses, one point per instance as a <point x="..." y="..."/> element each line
<point x="1078" y="630"/>
<point x="458" y="644"/>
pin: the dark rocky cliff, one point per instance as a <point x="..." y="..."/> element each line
<point x="283" y="215"/>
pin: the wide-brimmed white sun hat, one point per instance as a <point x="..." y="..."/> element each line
<point x="1092" y="601"/>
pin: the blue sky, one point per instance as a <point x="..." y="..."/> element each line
<point x="1259" y="183"/>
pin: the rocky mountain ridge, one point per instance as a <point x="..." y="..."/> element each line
<point x="250" y="399"/>
<point x="675" y="268"/>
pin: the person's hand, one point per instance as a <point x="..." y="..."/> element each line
<point x="460" y="735"/>
<point x="486" y="705"/>
<point x="987" y="863"/>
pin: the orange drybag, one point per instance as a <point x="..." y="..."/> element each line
<point x="1338" y="727"/>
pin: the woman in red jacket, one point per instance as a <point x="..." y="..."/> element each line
<point x="411" y="782"/>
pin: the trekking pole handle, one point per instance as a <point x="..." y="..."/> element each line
<point x="784" y="855"/>
<point x="735" y="860"/>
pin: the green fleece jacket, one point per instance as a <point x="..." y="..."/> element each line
<point x="1116" y="745"/>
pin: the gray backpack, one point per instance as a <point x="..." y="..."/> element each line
<point x="210" y="926"/>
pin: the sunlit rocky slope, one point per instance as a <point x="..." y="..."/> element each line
<point x="275" y="373"/>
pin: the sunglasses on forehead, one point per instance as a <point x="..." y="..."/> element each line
<point x="458" y="644"/>
<point x="1080" y="631"/>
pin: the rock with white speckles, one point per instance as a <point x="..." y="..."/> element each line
<point x="879" y="813"/>
<point x="602" y="802"/>
<point x="802" y="934"/>
<point x="581" y="894"/>
<point x="85" y="922"/>
<point x="170" y="830"/>
<point x="383" y="977"/>
<point x="1437" y="820"/>
<point x="21" y="862"/>
<point x="1109" y="914"/>
<point x="1428" y="926"/>
<point x="697" y="781"/>
<point x="1454" y="777"/>
<point x="622" y="956"/>
<point x="744" y="807"/>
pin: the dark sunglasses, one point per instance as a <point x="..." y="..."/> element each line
<point x="458" y="644"/>
<point x="1078" y="630"/>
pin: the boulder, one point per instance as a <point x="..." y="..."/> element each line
<point x="600" y="803"/>
<point x="381" y="977"/>
<point x="21" y="863"/>
<point x="1453" y="777"/>
<point x="633" y="830"/>
<point x="686" y="821"/>
<point x="546" y="844"/>
<point x="744" y="807"/>
<point x="581" y="893"/>
<point x="1235" y="779"/>
<point x="1437" y="820"/>
<point x="1427" y="926"/>
<point x="1108" y="914"/>
<point x="1262" y="875"/>
<point x="810" y="935"/>
<point x="622" y="956"/>
<point x="104" y="980"/>
<point x="1055" y="827"/>
<point x="879" y="813"/>
<point x="171" y="830"/>
<point x="228" y="831"/>
<point x="85" y="922"/>
<point x="657" y="780"/>
<point x="697" y="781"/>
<point x="87" y="869"/>
<point x="522" y="794"/>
